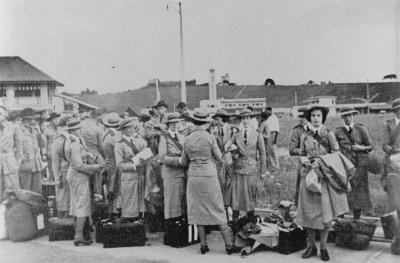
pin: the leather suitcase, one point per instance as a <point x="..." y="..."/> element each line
<point x="180" y="234"/>
<point x="292" y="241"/>
<point x="98" y="237"/>
<point x="61" y="229"/>
<point x="155" y="222"/>
<point x="123" y="234"/>
<point x="100" y="211"/>
<point x="388" y="224"/>
<point x="354" y="241"/>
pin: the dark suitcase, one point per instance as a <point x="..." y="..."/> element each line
<point x="155" y="222"/>
<point x="292" y="241"/>
<point x="389" y="225"/>
<point x="98" y="237"/>
<point x="123" y="234"/>
<point x="355" y="234"/>
<point x="180" y="234"/>
<point x="354" y="241"/>
<point x="61" y="229"/>
<point x="100" y="211"/>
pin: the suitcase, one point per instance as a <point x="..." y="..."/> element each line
<point x="180" y="234"/>
<point x="155" y="222"/>
<point x="61" y="229"/>
<point x="123" y="234"/>
<point x="354" y="241"/>
<point x="20" y="221"/>
<point x="100" y="211"/>
<point x="389" y="224"/>
<point x="98" y="237"/>
<point x="355" y="234"/>
<point x="292" y="241"/>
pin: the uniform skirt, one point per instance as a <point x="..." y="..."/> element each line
<point x="316" y="210"/>
<point x="174" y="196"/>
<point x="393" y="190"/>
<point x="132" y="195"/>
<point x="63" y="194"/>
<point x="359" y="195"/>
<point x="80" y="203"/>
<point x="204" y="201"/>
<point x="244" y="192"/>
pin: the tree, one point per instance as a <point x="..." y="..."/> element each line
<point x="89" y="92"/>
<point x="269" y="82"/>
<point x="310" y="82"/>
<point x="390" y="76"/>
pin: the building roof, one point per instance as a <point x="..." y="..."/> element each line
<point x="78" y="101"/>
<point x="17" y="70"/>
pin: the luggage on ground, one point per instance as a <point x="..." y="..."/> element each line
<point x="123" y="234"/>
<point x="389" y="223"/>
<point x="180" y="234"/>
<point x="61" y="229"/>
<point x="20" y="221"/>
<point x="100" y="211"/>
<point x="155" y="222"/>
<point x="292" y="240"/>
<point x="355" y="234"/>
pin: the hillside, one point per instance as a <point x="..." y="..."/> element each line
<point x="276" y="96"/>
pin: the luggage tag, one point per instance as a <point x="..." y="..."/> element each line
<point x="40" y="221"/>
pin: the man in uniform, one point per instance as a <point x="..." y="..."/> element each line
<point x="33" y="147"/>
<point x="391" y="174"/>
<point x="92" y="135"/>
<point x="355" y="144"/>
<point x="111" y="136"/>
<point x="10" y="153"/>
<point x="161" y="108"/>
<point x="60" y="166"/>
<point x="294" y="145"/>
<point x="50" y="133"/>
<point x="132" y="174"/>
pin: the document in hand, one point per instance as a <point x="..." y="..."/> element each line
<point x="144" y="154"/>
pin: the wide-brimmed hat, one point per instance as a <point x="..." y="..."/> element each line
<point x="245" y="113"/>
<point x="74" y="123"/>
<point x="220" y="113"/>
<point x="198" y="117"/>
<point x="52" y="116"/>
<point x="111" y="120"/>
<point x="29" y="113"/>
<point x="62" y="121"/>
<point x="161" y="103"/>
<point x="396" y="104"/>
<point x="347" y="111"/>
<point x="174" y="117"/>
<point x="13" y="115"/>
<point x="324" y="110"/>
<point x="128" y="122"/>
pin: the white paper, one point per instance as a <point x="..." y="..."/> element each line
<point x="145" y="154"/>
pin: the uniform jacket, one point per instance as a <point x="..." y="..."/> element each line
<point x="10" y="148"/>
<point x="359" y="135"/>
<point x="93" y="137"/>
<point x="59" y="156"/>
<point x="390" y="141"/>
<point x="50" y="134"/>
<point x="255" y="152"/>
<point x="124" y="153"/>
<point x="110" y="139"/>
<point x="294" y="139"/>
<point x="32" y="143"/>
<point x="199" y="151"/>
<point x="78" y="157"/>
<point x="168" y="146"/>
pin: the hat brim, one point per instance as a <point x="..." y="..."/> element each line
<point x="78" y="126"/>
<point x="110" y="125"/>
<point x="324" y="110"/>
<point x="174" y="120"/>
<point x="52" y="118"/>
<point x="246" y="115"/>
<point x="395" y="107"/>
<point x="31" y="117"/>
<point x="202" y="120"/>
<point x="220" y="115"/>
<point x="349" y="112"/>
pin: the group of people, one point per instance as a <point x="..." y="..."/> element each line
<point x="200" y="165"/>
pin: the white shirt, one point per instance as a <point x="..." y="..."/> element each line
<point x="348" y="127"/>
<point x="273" y="123"/>
<point x="315" y="130"/>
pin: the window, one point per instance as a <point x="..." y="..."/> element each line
<point x="27" y="91"/>
<point x="3" y="92"/>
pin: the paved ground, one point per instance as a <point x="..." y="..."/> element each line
<point x="40" y="250"/>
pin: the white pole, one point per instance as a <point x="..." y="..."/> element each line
<point x="157" y="91"/>
<point x="183" y="82"/>
<point x="367" y="97"/>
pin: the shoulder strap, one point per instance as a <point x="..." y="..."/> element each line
<point x="321" y="141"/>
<point x="347" y="134"/>
<point x="175" y="142"/>
<point x="131" y="145"/>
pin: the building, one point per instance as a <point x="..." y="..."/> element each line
<point x="23" y="85"/>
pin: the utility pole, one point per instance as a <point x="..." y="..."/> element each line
<point x="295" y="98"/>
<point x="157" y="91"/>
<point x="183" y="82"/>
<point x="367" y="97"/>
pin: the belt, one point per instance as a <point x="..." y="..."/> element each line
<point x="200" y="160"/>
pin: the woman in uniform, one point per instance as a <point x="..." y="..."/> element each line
<point x="204" y="198"/>
<point x="173" y="176"/>
<point x="317" y="210"/>
<point x="78" y="175"/>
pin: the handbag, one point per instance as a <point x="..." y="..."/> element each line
<point x="313" y="183"/>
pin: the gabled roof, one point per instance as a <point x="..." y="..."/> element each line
<point x="17" y="70"/>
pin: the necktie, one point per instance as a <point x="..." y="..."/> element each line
<point x="350" y="129"/>
<point x="176" y="136"/>
<point x="221" y="131"/>
<point x="245" y="136"/>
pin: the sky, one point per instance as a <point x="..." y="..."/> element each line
<point x="117" y="45"/>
